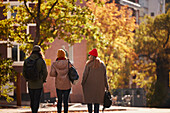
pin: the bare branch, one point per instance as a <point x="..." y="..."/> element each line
<point x="39" y="4"/>
<point x="166" y="40"/>
<point x="155" y="37"/>
<point x="50" y="10"/>
<point x="25" y="3"/>
<point x="43" y="40"/>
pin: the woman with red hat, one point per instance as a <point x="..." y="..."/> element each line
<point x="94" y="82"/>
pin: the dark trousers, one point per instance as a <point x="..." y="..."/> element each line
<point x="35" y="95"/>
<point x="96" y="108"/>
<point x="60" y="95"/>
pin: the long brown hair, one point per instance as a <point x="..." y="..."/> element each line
<point x="96" y="61"/>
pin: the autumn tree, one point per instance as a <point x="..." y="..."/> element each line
<point x="115" y="45"/>
<point x="7" y="75"/>
<point x="7" y="72"/>
<point x="153" y="46"/>
<point x="167" y="6"/>
<point x="62" y="19"/>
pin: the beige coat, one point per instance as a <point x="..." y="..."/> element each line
<point x="59" y="70"/>
<point x="94" y="83"/>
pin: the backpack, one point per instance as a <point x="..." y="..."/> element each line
<point x="31" y="71"/>
<point x="107" y="100"/>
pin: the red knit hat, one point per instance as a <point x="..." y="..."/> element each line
<point x="93" y="52"/>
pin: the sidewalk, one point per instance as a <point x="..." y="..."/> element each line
<point x="49" y="108"/>
<point x="79" y="108"/>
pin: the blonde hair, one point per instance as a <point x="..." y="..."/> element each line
<point x="61" y="53"/>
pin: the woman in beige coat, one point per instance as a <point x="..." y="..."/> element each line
<point x="94" y="82"/>
<point x="59" y="70"/>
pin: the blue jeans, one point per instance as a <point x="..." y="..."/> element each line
<point x="35" y="95"/>
<point x="60" y="95"/>
<point x="96" y="108"/>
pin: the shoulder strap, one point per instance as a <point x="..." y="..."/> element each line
<point x="35" y="59"/>
<point x="38" y="58"/>
<point x="54" y="67"/>
<point x="68" y="64"/>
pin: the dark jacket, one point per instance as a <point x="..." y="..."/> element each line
<point x="42" y="69"/>
<point x="94" y="83"/>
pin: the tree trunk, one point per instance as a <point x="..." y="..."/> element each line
<point x="36" y="40"/>
<point x="38" y="22"/>
<point x="162" y="84"/>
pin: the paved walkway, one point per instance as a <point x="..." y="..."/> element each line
<point x="79" y="108"/>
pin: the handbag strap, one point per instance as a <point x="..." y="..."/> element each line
<point x="69" y="63"/>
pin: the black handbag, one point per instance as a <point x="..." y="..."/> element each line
<point x="107" y="100"/>
<point x="72" y="73"/>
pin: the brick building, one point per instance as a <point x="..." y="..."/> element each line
<point x="76" y="54"/>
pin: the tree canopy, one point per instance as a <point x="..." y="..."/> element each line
<point x="7" y="75"/>
<point x="167" y="7"/>
<point x="115" y="45"/>
<point x="153" y="46"/>
<point x="62" y="19"/>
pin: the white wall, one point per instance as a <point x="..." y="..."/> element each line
<point x="152" y="6"/>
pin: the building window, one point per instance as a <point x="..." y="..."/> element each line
<point x="1" y="13"/>
<point x="22" y="55"/>
<point x="13" y="6"/>
<point x="31" y="28"/>
<point x="152" y="13"/>
<point x="14" y="13"/>
<point x="17" y="54"/>
<point x="14" y="53"/>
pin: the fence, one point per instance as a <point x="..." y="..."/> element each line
<point x="130" y="97"/>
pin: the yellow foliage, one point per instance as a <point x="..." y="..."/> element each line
<point x="115" y="47"/>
